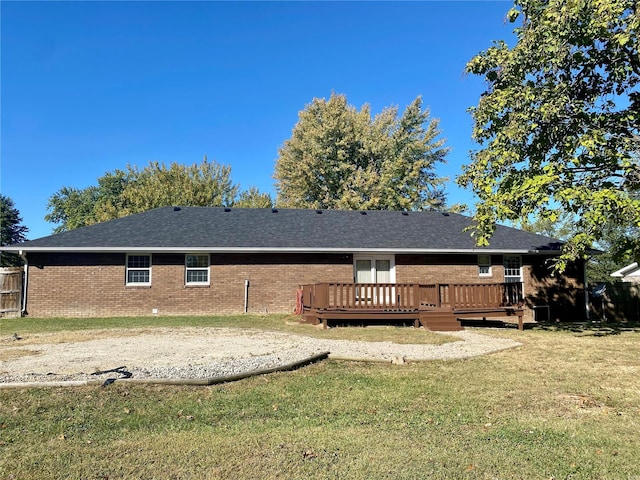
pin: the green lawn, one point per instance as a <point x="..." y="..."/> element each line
<point x="279" y="323"/>
<point x="564" y="405"/>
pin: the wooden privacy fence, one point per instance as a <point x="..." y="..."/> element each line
<point x="10" y="291"/>
<point x="620" y="302"/>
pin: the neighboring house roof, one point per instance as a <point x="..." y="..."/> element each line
<point x="203" y="229"/>
<point x="628" y="273"/>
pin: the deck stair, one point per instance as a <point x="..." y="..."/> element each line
<point x="440" y="321"/>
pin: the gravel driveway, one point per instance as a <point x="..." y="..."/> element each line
<point x="203" y="353"/>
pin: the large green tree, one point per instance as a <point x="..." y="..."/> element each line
<point x="601" y="263"/>
<point x="253" y="198"/>
<point x="559" y="123"/>
<point x="156" y="185"/>
<point x="11" y="231"/>
<point x="340" y="157"/>
<point x="72" y="207"/>
<point x="613" y="257"/>
<point x="134" y="190"/>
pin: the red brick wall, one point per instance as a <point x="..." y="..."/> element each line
<point x="431" y="269"/>
<point x="562" y="293"/>
<point x="89" y="285"/>
<point x="82" y="285"/>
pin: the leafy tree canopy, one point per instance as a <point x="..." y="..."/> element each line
<point x="600" y="265"/>
<point x="134" y="190"/>
<point x="11" y="231"/>
<point x="559" y="123"/>
<point x="341" y="157"/>
<point x="614" y="255"/>
<point x="253" y="198"/>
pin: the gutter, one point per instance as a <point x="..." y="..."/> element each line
<point x="339" y="250"/>
<point x="625" y="270"/>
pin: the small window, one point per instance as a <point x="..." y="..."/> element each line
<point x="484" y="265"/>
<point x="138" y="269"/>
<point x="512" y="269"/>
<point x="197" y="270"/>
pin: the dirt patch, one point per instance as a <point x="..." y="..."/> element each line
<point x="93" y="351"/>
<point x="86" y="352"/>
<point x="13" y="353"/>
<point x="71" y="337"/>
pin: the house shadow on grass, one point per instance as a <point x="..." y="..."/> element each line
<point x="494" y="323"/>
<point x="369" y="323"/>
<point x="591" y="328"/>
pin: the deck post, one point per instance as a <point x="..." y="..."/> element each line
<point x="322" y="295"/>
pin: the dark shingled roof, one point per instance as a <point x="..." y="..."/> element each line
<point x="263" y="229"/>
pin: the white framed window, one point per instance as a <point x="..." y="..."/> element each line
<point x="512" y="268"/>
<point x="138" y="270"/>
<point x="374" y="268"/>
<point x="484" y="265"/>
<point x="196" y="269"/>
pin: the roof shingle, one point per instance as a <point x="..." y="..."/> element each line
<point x="213" y="228"/>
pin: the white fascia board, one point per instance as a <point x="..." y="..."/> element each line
<point x="278" y="250"/>
<point x="627" y="271"/>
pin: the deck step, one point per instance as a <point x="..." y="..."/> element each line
<point x="441" y="322"/>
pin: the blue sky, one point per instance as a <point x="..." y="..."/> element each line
<point x="89" y="87"/>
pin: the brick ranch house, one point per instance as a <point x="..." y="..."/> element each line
<point x="205" y="260"/>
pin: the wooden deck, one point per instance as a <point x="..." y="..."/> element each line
<point x="438" y="307"/>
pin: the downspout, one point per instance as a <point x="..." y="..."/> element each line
<point x="23" y="309"/>
<point x="586" y="289"/>
<point x="246" y="296"/>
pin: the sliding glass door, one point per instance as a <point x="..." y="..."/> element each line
<point x="375" y="269"/>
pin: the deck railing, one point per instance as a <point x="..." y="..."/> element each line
<point x="347" y="296"/>
<point x="410" y="296"/>
<point x="484" y="295"/>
